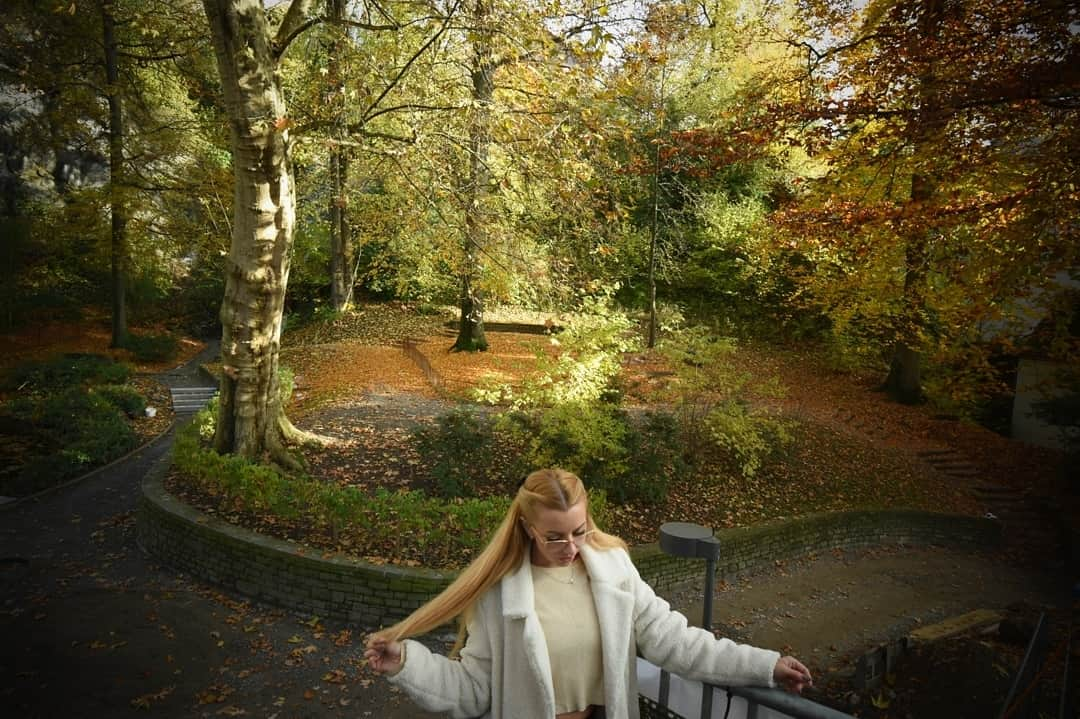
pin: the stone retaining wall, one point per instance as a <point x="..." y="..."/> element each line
<point x="279" y="572"/>
<point x="744" y="549"/>
<point x="288" y="574"/>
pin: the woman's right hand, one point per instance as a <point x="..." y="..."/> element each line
<point x="384" y="656"/>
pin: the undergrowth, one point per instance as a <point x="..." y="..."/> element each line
<point x="380" y="523"/>
<point x="71" y="411"/>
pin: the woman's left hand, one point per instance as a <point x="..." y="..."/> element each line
<point x="792" y="675"/>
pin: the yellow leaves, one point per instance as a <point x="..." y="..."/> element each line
<point x="145" y="700"/>
<point x="214" y="694"/>
<point x="335" y="676"/>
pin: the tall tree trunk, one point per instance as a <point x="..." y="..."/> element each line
<point x="251" y="419"/>
<point x="471" y="328"/>
<point x="904" y="381"/>
<point x="655" y="227"/>
<point x="118" y="243"/>
<point x="341" y="272"/>
<point x="653" y="232"/>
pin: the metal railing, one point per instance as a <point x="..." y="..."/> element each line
<point x="1019" y="702"/>
<point x="668" y="696"/>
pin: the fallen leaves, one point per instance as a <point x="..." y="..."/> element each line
<point x="214" y="694"/>
<point x="145" y="700"/>
<point x="355" y="384"/>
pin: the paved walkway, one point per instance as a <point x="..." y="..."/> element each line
<point x="94" y="628"/>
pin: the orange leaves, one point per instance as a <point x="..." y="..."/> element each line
<point x="214" y="694"/>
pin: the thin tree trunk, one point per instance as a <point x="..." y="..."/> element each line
<point x="904" y="381"/>
<point x="117" y="210"/>
<point x="471" y="327"/>
<point x="251" y="419"/>
<point x="341" y="279"/>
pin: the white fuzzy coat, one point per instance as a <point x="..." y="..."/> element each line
<point x="504" y="673"/>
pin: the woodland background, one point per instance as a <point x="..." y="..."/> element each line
<point x="890" y="185"/>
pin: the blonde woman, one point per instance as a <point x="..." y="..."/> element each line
<point x="554" y="614"/>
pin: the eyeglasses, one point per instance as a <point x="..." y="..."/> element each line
<point x="577" y="539"/>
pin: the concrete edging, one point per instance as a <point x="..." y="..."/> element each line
<point x="288" y="574"/>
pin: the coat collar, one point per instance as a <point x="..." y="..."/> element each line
<point x="517" y="586"/>
<point x="517" y="591"/>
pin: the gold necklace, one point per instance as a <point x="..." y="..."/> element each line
<point x="572" y="577"/>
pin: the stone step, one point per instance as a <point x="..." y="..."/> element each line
<point x="999" y="501"/>
<point x="189" y="400"/>
<point x="948" y="462"/>
<point x="927" y="453"/>
<point x="996" y="489"/>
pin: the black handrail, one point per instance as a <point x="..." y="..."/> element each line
<point x="793" y="705"/>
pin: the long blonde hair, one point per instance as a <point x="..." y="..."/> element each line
<point x="550" y="488"/>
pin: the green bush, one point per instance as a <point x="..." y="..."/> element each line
<point x="67" y="370"/>
<point x="747" y="438"/>
<point x="75" y="430"/>
<point x="710" y="402"/>
<point x="124" y="398"/>
<point x="655" y="454"/>
<point x="602" y="444"/>
<point x="459" y="451"/>
<point x="586" y="366"/>
<point x="71" y="409"/>
<point x="152" y="348"/>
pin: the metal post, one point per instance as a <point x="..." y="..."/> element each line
<point x="710" y="588"/>
<point x="684" y="539"/>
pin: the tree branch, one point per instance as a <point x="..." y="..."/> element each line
<point x="405" y="68"/>
<point x="290" y="24"/>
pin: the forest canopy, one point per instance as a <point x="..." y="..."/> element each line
<point x="895" y="182"/>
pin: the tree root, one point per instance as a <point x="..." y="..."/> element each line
<point x="291" y="434"/>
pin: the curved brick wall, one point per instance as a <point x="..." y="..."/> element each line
<point x="296" y="577"/>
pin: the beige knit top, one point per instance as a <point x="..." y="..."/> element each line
<point x="572" y="631"/>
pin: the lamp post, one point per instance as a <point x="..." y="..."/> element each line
<point x="693" y="541"/>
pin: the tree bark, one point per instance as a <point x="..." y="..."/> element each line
<point x="471" y="327"/>
<point x="118" y="241"/>
<point x="251" y="419"/>
<point x="341" y="273"/>
<point x="655" y="226"/>
<point x="904" y="381"/>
